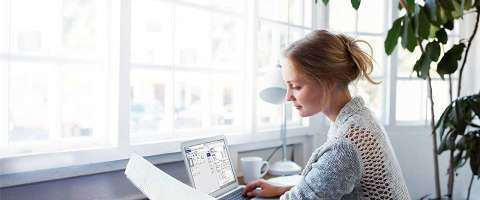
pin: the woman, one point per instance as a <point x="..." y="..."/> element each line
<point x="357" y="160"/>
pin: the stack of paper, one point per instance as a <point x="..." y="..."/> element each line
<point x="156" y="184"/>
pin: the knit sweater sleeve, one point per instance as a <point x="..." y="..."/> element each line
<point x="335" y="173"/>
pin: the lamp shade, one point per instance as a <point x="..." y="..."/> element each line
<point x="273" y="88"/>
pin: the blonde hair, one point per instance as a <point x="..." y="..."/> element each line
<point x="330" y="58"/>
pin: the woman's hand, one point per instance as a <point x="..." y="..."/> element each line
<point x="262" y="188"/>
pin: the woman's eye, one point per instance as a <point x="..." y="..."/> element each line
<point x="296" y="87"/>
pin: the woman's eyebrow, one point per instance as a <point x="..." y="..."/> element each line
<point x="293" y="81"/>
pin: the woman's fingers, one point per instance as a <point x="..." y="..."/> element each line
<point x="252" y="186"/>
<point x="255" y="193"/>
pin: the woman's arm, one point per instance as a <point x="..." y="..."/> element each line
<point x="335" y="174"/>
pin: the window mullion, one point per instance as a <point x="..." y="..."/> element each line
<point x="171" y="114"/>
<point x="391" y="76"/>
<point x="4" y="108"/>
<point x="124" y="76"/>
<point x="4" y="89"/>
<point x="250" y="89"/>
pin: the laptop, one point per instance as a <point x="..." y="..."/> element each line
<point x="209" y="167"/>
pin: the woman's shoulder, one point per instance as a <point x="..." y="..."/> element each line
<point x="340" y="145"/>
<point x="364" y="122"/>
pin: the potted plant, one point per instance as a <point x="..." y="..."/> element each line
<point x="424" y="26"/>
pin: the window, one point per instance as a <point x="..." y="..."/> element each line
<point x="416" y="109"/>
<point x="73" y="85"/>
<point x="54" y="69"/>
<point x="369" y="24"/>
<point x="187" y="66"/>
<point x="280" y="23"/>
<point x="407" y="102"/>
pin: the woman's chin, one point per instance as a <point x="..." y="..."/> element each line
<point x="302" y="113"/>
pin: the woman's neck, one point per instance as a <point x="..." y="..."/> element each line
<point x="337" y="102"/>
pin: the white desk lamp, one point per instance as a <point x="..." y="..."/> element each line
<point x="273" y="90"/>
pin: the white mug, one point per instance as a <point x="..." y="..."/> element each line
<point x="252" y="168"/>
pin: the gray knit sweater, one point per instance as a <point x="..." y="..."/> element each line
<point x="356" y="162"/>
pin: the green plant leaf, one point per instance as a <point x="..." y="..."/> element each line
<point x="444" y="142"/>
<point x="408" y="37"/>
<point x="460" y="115"/>
<point x="475" y="156"/>
<point x="411" y="6"/>
<point x="433" y="49"/>
<point x="447" y="4"/>
<point x="423" y="26"/>
<point x="461" y="144"/>
<point x="440" y="126"/>
<point x="449" y="25"/>
<point x="433" y="30"/>
<point x="355" y="4"/>
<point x="459" y="159"/>
<point x="392" y="36"/>
<point x="475" y="104"/>
<point x="422" y="66"/>
<point x="449" y="62"/>
<point x="441" y="16"/>
<point x="441" y="35"/>
<point x="458" y="9"/>
<point x="468" y="4"/>
<point x="324" y="2"/>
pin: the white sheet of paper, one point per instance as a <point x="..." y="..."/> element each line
<point x="156" y="184"/>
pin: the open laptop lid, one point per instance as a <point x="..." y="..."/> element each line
<point x="209" y="165"/>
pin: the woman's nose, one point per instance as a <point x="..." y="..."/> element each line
<point x="289" y="96"/>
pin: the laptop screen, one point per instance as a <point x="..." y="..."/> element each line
<point x="210" y="166"/>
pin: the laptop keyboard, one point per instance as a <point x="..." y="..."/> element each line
<point x="235" y="195"/>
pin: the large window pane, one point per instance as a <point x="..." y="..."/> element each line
<point x="4" y="27"/>
<point x="342" y="16"/>
<point x="296" y="14"/>
<point x="307" y="13"/>
<point x="30" y="97"/>
<point x="272" y="39"/>
<point x="82" y="100"/>
<point x="411" y="101"/>
<point x="79" y="24"/>
<point x="371" y="93"/>
<point x="33" y="28"/>
<point x="376" y="42"/>
<point x="371" y="16"/>
<point x="406" y="61"/>
<point x="55" y="28"/>
<point x="191" y="106"/>
<point x="227" y="41"/>
<point x="225" y="107"/>
<point x="152" y="32"/>
<point x="441" y="97"/>
<point x="273" y="9"/>
<point x="150" y="102"/>
<point x="192" y="37"/>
